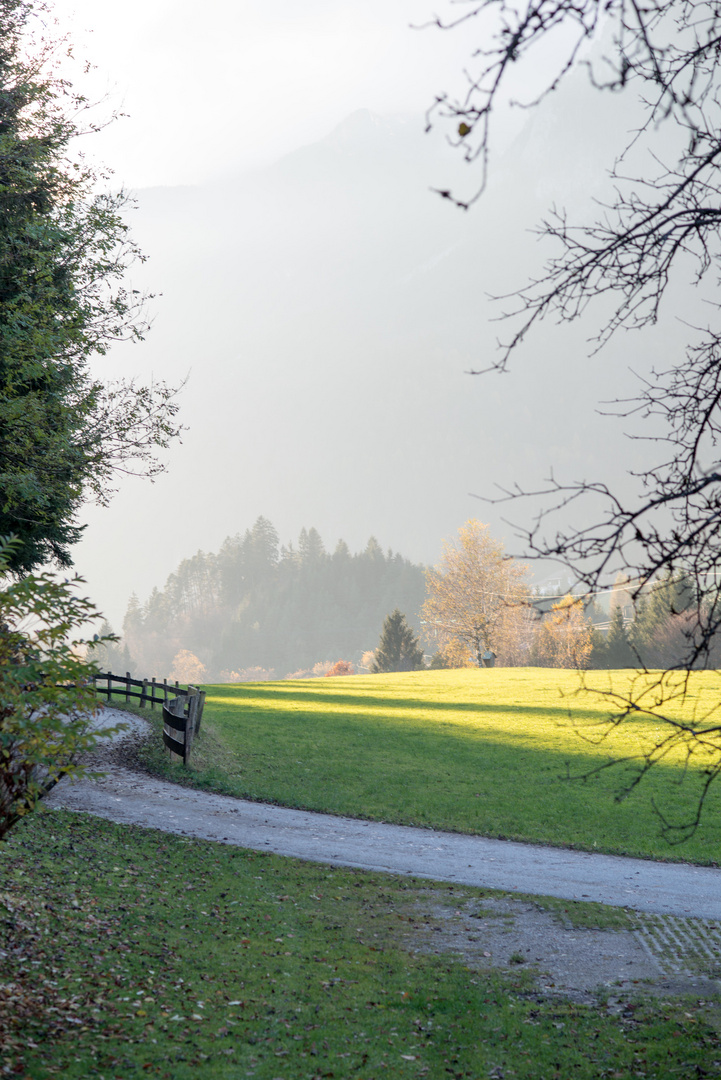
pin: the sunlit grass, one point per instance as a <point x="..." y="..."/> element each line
<point x="499" y="752"/>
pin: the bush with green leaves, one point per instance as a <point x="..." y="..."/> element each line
<point x="47" y="696"/>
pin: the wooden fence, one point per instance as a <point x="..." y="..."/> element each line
<point x="182" y="709"/>
<point x="181" y="718"/>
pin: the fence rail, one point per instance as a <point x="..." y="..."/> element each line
<point x="182" y="709"/>
<point x="149" y="690"/>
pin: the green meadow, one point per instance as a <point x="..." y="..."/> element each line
<point x="499" y="752"/>
<point x="128" y="952"/>
<point x="133" y="953"/>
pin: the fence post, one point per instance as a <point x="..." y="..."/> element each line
<point x="165" y="691"/>
<point x="127" y="686"/>
<point x="190" y="703"/>
<point x="144" y="694"/>
<point x="152" y="694"/>
<point x="110" y="681"/>
<point x="175" y="720"/>
<point x="188" y="738"/>
<point x="199" y="710"/>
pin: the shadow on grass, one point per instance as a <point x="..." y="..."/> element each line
<point x="271" y="694"/>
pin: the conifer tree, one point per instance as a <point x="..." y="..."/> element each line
<point x="255" y="605"/>
<point x="64" y="249"/>
<point x="398" y="649"/>
<point x="618" y="650"/>
<point x="670" y="595"/>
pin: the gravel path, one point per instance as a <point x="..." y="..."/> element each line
<point x="132" y="797"/>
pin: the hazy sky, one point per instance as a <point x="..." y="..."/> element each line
<point x="228" y="84"/>
<point x="212" y="90"/>
<point x="285" y="363"/>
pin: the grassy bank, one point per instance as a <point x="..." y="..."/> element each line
<point x="128" y="952"/>
<point x="497" y="752"/>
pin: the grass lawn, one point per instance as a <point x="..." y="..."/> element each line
<point x="493" y="752"/>
<point x="128" y="953"/>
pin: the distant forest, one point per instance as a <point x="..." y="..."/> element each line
<point x="259" y="605"/>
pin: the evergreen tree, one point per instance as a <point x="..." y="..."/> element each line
<point x="38" y="503"/>
<point x="671" y="595"/>
<point x="255" y="605"/>
<point x="107" y="653"/>
<point x="260" y="551"/>
<point x="398" y="649"/>
<point x="342" y="552"/>
<point x="618" y="652"/>
<point x="373" y="551"/>
<point x="133" y="621"/>
<point x="63" y="251"/>
<point x="310" y="546"/>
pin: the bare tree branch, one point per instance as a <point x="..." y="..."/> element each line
<point x="661" y="223"/>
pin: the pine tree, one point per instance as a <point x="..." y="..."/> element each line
<point x="398" y="649"/>
<point x="64" y="248"/>
<point x="310" y="546"/>
<point x="108" y="654"/>
<point x="618" y="650"/>
<point x="257" y="605"/>
<point x="669" y="596"/>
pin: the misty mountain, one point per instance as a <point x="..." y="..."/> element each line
<point x="328" y="309"/>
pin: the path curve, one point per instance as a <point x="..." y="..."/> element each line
<point x="135" y="798"/>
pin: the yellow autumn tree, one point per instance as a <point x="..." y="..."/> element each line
<point x="187" y="668"/>
<point x="565" y="637"/>
<point x="470" y="593"/>
<point x="518" y="636"/>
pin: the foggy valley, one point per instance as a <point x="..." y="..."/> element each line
<point x="327" y="310"/>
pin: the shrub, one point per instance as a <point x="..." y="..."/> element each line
<point x="47" y="698"/>
<point x="341" y="667"/>
<point x="187" y="668"/>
